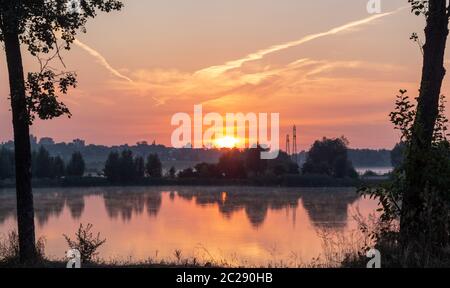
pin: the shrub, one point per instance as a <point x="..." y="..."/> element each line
<point x="86" y="243"/>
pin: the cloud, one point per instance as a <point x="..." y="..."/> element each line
<point x="222" y="85"/>
<point x="215" y="71"/>
<point x="101" y="60"/>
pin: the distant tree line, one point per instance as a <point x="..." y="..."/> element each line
<point x="370" y="157"/>
<point x="241" y="164"/>
<point x="43" y="165"/>
<point x="95" y="156"/>
<point x="7" y="168"/>
<point x="330" y="157"/>
<point x="124" y="167"/>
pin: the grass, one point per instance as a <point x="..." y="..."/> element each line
<point x="331" y="258"/>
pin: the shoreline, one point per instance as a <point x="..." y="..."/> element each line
<point x="297" y="181"/>
<point x="284" y="181"/>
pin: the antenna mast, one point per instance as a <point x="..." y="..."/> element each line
<point x="288" y="145"/>
<point x="294" y="144"/>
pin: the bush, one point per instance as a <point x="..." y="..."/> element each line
<point x="86" y="243"/>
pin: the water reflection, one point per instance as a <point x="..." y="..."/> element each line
<point x="47" y="203"/>
<point x="328" y="210"/>
<point x="7" y="206"/>
<point x="137" y="221"/>
<point x="120" y="202"/>
<point x="324" y="208"/>
<point x="256" y="202"/>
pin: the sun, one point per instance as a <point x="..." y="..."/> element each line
<point x="226" y="142"/>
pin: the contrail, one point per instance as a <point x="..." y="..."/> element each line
<point x="220" y="69"/>
<point x="102" y="60"/>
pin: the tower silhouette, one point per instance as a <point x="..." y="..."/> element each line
<point x="294" y="144"/>
<point x="288" y="145"/>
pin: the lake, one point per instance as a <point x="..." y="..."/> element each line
<point x="236" y="225"/>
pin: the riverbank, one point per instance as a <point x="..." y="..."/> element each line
<point x="267" y="181"/>
<point x="144" y="265"/>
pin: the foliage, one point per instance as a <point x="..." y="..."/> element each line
<point x="112" y="167"/>
<point x="329" y="157"/>
<point x="419" y="7"/>
<point x="37" y="25"/>
<point x="6" y="163"/>
<point x="46" y="166"/>
<point x="42" y="97"/>
<point x="398" y="154"/>
<point x="187" y="173"/>
<point x="139" y="167"/>
<point x="86" y="243"/>
<point x="58" y="167"/>
<point x="43" y="165"/>
<point x="243" y="164"/>
<point x="76" y="165"/>
<point x="253" y="162"/>
<point x="436" y="196"/>
<point x="369" y="157"/>
<point x="154" y="166"/>
<point x="206" y="170"/>
<point x="172" y="172"/>
<point x="124" y="167"/>
<point x="46" y="27"/>
<point x="9" y="248"/>
<point x="232" y="165"/>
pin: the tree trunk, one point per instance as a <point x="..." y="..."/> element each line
<point x="436" y="32"/>
<point x="25" y="209"/>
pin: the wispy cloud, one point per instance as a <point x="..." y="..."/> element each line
<point x="102" y="60"/>
<point x="215" y="71"/>
<point x="226" y="82"/>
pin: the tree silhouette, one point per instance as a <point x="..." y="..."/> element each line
<point x="42" y="163"/>
<point x="282" y="165"/>
<point x="58" y="167"/>
<point x="418" y="155"/>
<point x="206" y="170"/>
<point x="329" y="157"/>
<point x="38" y="24"/>
<point x="398" y="155"/>
<point x="127" y="173"/>
<point x="253" y="161"/>
<point x="112" y="167"/>
<point x="124" y="168"/>
<point x="76" y="165"/>
<point x="6" y="163"/>
<point x="172" y="172"/>
<point x="139" y="168"/>
<point x="154" y="166"/>
<point x="45" y="166"/>
<point x="232" y="165"/>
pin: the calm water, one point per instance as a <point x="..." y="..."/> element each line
<point x="243" y="226"/>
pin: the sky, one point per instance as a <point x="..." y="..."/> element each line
<point x="327" y="66"/>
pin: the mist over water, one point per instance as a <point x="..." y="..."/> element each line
<point x="238" y="225"/>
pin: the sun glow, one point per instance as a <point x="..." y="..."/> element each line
<point x="226" y="142"/>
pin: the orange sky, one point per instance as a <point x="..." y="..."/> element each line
<point x="325" y="65"/>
